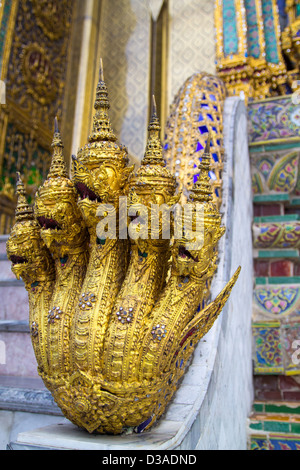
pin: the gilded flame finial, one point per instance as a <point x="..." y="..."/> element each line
<point x="202" y="191"/>
<point x="57" y="180"/>
<point x="153" y="173"/>
<point x="58" y="166"/>
<point x="56" y="142"/>
<point x="23" y="210"/>
<point x="101" y="74"/>
<point x="153" y="153"/>
<point x="102" y="146"/>
<point x="102" y="129"/>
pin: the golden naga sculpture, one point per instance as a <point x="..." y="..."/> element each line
<point x="115" y="318"/>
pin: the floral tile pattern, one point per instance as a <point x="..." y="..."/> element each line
<point x="275" y="171"/>
<point x="267" y="348"/>
<point x="276" y="234"/>
<point x="273" y="119"/>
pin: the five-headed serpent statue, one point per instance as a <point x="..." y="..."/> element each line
<point x="114" y="320"/>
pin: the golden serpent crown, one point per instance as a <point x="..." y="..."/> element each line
<point x="57" y="184"/>
<point x="153" y="175"/>
<point x="102" y="145"/>
<point x="201" y="192"/>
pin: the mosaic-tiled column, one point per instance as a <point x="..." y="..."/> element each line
<point x="232" y="48"/>
<point x="274" y="145"/>
<point x="276" y="66"/>
<point x="249" y="55"/>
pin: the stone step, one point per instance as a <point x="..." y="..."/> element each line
<point x="26" y="394"/>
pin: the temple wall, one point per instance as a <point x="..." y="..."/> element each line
<point x="229" y="393"/>
<point x="191" y="41"/>
<point x="124" y="45"/>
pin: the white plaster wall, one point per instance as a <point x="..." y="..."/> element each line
<point x="229" y="394"/>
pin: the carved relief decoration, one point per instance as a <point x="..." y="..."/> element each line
<point x="35" y="87"/>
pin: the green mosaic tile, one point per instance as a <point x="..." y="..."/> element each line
<point x="256" y="148"/>
<point x="295" y="201"/>
<point x="271" y="197"/>
<point x="278" y="254"/>
<point x="283" y="280"/>
<point x="276" y="426"/>
<point x="258" y="407"/>
<point x="277" y="280"/>
<point x="277" y="218"/>
<point x="257" y="425"/>
<point x="261" y="280"/>
<point x="295" y="428"/>
<point x="274" y="408"/>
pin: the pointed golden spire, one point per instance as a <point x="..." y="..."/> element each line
<point x="202" y="191"/>
<point x="153" y="154"/>
<point x="102" y="129"/>
<point x="153" y="174"/>
<point x="23" y="210"/>
<point x="58" y="166"/>
<point x="57" y="182"/>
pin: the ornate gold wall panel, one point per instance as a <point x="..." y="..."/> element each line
<point x="34" y="67"/>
